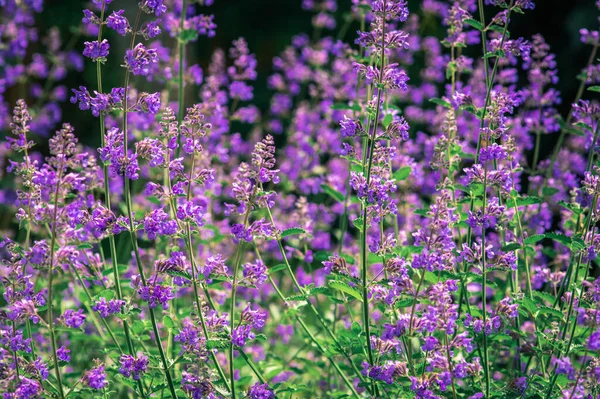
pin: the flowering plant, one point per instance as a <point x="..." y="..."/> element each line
<point x="388" y="228"/>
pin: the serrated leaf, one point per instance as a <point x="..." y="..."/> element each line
<point x="572" y="207"/>
<point x="277" y="268"/>
<point x="346" y="288"/>
<point x="524" y="201"/>
<point x="441" y="102"/>
<point x="561" y="238"/>
<point x="217" y="343"/>
<point x="342" y="106"/>
<point x="402" y="173"/>
<point x="474" y="23"/>
<point x="551" y="311"/>
<point x="511" y="247"/>
<point x="549" y="191"/>
<point x="534" y="238"/>
<point x="358" y="223"/>
<point x="333" y="193"/>
<point x="387" y="120"/>
<point x="188" y="35"/>
<point x="180" y="273"/>
<point x="292" y="232"/>
<point x="108" y="294"/>
<point x="138" y="327"/>
<point x="168" y="322"/>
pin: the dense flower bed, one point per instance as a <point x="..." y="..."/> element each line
<point x="389" y="228"/>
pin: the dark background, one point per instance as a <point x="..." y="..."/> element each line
<point x="269" y="25"/>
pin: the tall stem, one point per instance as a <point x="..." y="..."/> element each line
<point x="363" y="233"/>
<point x="310" y="305"/>
<point x="132" y="231"/>
<point x="181" y="93"/>
<point x="236" y="266"/>
<point x="51" y="285"/>
<point x="107" y="204"/>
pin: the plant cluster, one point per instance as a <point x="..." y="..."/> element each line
<point x="388" y="228"/>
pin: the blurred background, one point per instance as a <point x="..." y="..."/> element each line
<point x="269" y="25"/>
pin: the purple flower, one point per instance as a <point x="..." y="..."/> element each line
<point x="241" y="334"/>
<point x="155" y="7"/>
<point x="240" y="90"/>
<point x="260" y="391"/>
<point x="594" y="341"/>
<point x="156" y="294"/>
<point x="96" y="51"/>
<point x="106" y="308"/>
<point x="73" y="319"/>
<point x="255" y="273"/>
<point x="133" y="367"/>
<point x="118" y="22"/>
<point x="63" y="354"/>
<point x="149" y="103"/>
<point x="140" y="60"/>
<point x="95" y="378"/>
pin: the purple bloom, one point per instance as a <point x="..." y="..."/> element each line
<point x="95" y="378"/>
<point x="133" y="367"/>
<point x="260" y="391"/>
<point x="107" y="308"/>
<point x="241" y="334"/>
<point x="140" y="60"/>
<point x="63" y="354"/>
<point x="118" y="22"/>
<point x="73" y="319"/>
<point x="594" y="341"/>
<point x="96" y="51"/>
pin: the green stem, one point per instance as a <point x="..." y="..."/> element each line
<point x="181" y="93"/>
<point x="313" y="338"/>
<point x="132" y="231"/>
<point x="311" y="306"/>
<point x="232" y="310"/>
<point x="51" y="285"/>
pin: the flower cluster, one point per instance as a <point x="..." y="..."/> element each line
<point x="412" y="213"/>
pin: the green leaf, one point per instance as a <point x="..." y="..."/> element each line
<point x="292" y="232"/>
<point x="188" y="35"/>
<point x="474" y="23"/>
<point x="85" y="246"/>
<point x="551" y="311"/>
<point x="402" y="173"/>
<point x="594" y="88"/>
<point x="346" y="288"/>
<point x="524" y="201"/>
<point x="511" y="247"/>
<point x="534" y="238"/>
<point x="549" y="191"/>
<point x="333" y="193"/>
<point x="180" y="273"/>
<point x="138" y="327"/>
<point x="358" y="223"/>
<point x="277" y="268"/>
<point x="387" y="120"/>
<point x="441" y="102"/>
<point x="108" y="294"/>
<point x="561" y="238"/>
<point x="342" y="106"/>
<point x="492" y="54"/>
<point x="572" y="207"/>
<point x="499" y="29"/>
<point x="218" y="343"/>
<point x="168" y="322"/>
